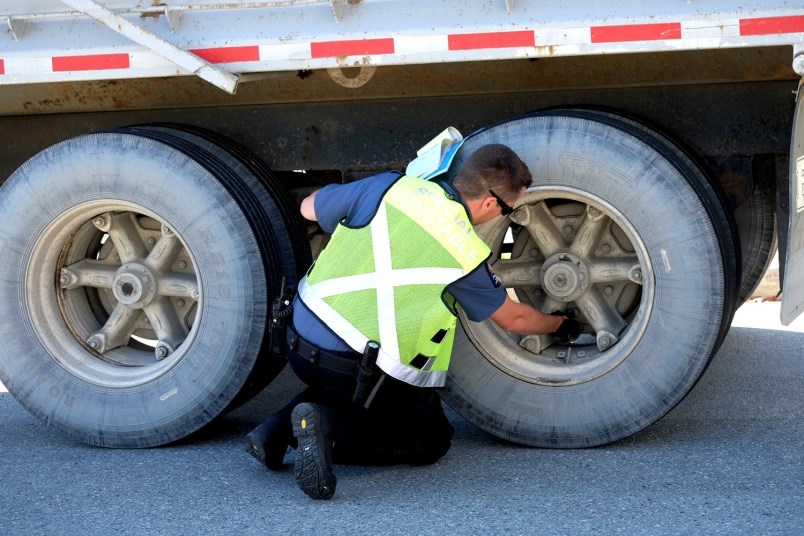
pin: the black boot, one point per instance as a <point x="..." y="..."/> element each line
<point x="269" y="442"/>
<point x="313" y="468"/>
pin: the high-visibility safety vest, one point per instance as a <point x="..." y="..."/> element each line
<point x="386" y="281"/>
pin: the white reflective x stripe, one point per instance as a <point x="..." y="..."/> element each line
<point x="337" y="323"/>
<point x="383" y="266"/>
<point x="401" y="277"/>
<point x="435" y="378"/>
<point x="387" y="359"/>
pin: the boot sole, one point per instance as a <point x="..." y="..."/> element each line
<point x="313" y="473"/>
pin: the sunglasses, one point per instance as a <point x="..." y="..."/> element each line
<point x="505" y="208"/>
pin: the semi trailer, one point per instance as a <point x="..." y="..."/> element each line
<point x="154" y="153"/>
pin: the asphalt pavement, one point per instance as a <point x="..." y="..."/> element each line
<point x="727" y="460"/>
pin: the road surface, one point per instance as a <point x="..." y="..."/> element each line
<point x="727" y="460"/>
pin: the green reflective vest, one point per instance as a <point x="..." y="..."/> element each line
<point x="386" y="281"/>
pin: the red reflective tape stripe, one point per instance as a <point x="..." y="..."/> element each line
<point x="357" y="47"/>
<point x="2" y="67"/>
<point x="474" y="41"/>
<point x="228" y="54"/>
<point x="772" y="25"/>
<point x="95" y="62"/>
<point x="636" y="32"/>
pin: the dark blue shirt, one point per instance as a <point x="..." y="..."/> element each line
<point x="354" y="204"/>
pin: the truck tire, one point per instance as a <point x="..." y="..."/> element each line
<point x="278" y="205"/>
<point x="756" y="221"/>
<point x="613" y="230"/>
<point x="752" y="226"/>
<point x="273" y="212"/>
<point x="134" y="294"/>
<point x="708" y="191"/>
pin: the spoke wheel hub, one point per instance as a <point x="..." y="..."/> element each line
<point x="134" y="285"/>
<point x="565" y="277"/>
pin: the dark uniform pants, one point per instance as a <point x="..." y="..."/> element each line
<point x="403" y="424"/>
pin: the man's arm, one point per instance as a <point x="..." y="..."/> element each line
<point x="481" y="296"/>
<point x="523" y="319"/>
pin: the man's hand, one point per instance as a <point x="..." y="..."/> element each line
<point x="308" y="207"/>
<point x="568" y="331"/>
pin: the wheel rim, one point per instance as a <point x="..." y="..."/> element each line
<point x="127" y="295"/>
<point x="564" y="249"/>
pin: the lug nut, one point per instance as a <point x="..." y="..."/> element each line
<point x="102" y="222"/>
<point x="97" y="343"/>
<point x="162" y="351"/>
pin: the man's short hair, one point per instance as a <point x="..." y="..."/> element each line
<point x="492" y="167"/>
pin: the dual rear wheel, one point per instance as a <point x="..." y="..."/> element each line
<point x="138" y="268"/>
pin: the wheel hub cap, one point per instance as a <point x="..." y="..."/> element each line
<point x="565" y="277"/>
<point x="134" y="285"/>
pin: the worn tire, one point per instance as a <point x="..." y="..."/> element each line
<point x="271" y="211"/>
<point x="123" y="396"/>
<point x="756" y="221"/>
<point x="665" y="313"/>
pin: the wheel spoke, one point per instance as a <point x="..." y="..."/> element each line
<point x="165" y="251"/>
<point x="87" y="273"/>
<point x="590" y="233"/>
<point x="538" y="221"/>
<point x="122" y="229"/>
<point x="551" y="304"/>
<point x="178" y="285"/>
<point x="615" y="269"/>
<point x="599" y="313"/>
<point x="167" y="325"/>
<point x="516" y="273"/>
<point x="117" y="330"/>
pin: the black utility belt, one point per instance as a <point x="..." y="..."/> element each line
<point x="342" y="362"/>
